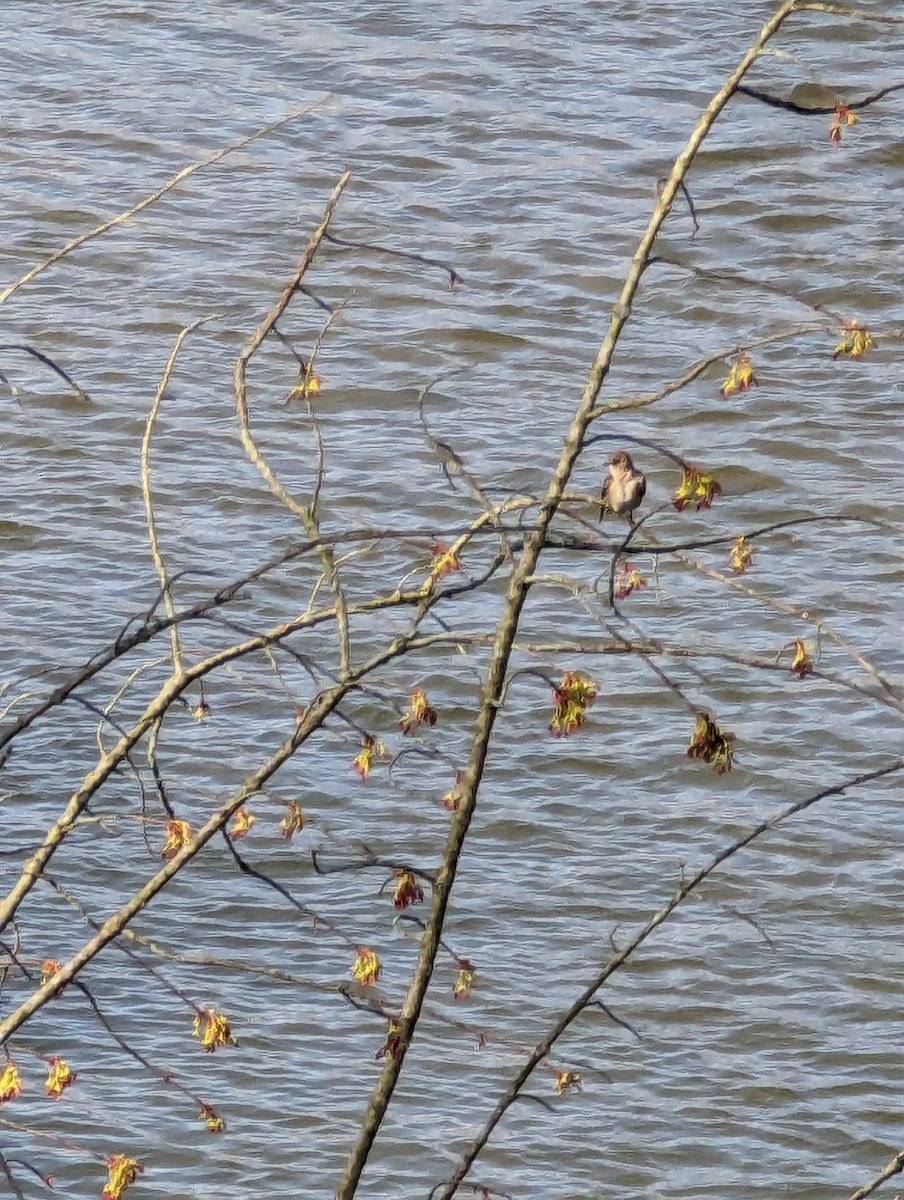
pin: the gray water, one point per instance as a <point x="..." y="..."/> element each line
<point x="520" y="144"/>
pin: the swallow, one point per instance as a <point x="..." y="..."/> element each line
<point x="623" y="488"/>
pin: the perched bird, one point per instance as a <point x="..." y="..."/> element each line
<point x="623" y="488"/>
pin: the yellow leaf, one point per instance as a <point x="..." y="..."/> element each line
<point x="566" y="1081"/>
<point x="444" y="562"/>
<point x="801" y="666"/>
<point x="59" y="1077"/>
<point x="212" y="1119"/>
<point x="211" y="1028"/>
<point x="121" y="1171"/>
<point x="242" y="820"/>
<point x="367" y="967"/>
<point x="740" y="377"/>
<point x="10" y="1082"/>
<point x="371" y="751"/>
<point x="419" y="712"/>
<point x="461" y="989"/>
<point x="855" y="341"/>
<point x="571" y="699"/>
<point x="407" y="889"/>
<point x="695" y="488"/>
<point x="711" y="743"/>
<point x="308" y="384"/>
<point x="177" y="834"/>
<point x="741" y="555"/>
<point x="293" y="820"/>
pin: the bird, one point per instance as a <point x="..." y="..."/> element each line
<point x="623" y="487"/>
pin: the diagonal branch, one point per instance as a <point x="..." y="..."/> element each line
<point x="514" y="601"/>
<point x="171" y="183"/>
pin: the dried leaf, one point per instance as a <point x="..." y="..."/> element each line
<point x="453" y="798"/>
<point x="567" y="1081"/>
<point x="393" y="1040"/>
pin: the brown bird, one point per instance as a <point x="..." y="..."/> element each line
<point x="623" y="488"/>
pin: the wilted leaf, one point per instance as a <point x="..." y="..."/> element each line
<point x="393" y="1039"/>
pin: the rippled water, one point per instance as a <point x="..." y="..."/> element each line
<point x="519" y="143"/>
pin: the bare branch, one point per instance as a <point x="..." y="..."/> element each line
<point x="171" y="183"/>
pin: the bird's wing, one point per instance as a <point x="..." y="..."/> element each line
<point x="604" y="495"/>
<point x="641" y="490"/>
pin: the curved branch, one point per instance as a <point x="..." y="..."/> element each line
<point x="619" y="958"/>
<point x="48" y="362"/>
<point x="817" y="110"/>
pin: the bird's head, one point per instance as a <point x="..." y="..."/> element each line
<point x="621" y="461"/>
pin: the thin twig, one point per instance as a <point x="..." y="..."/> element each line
<point x="152" y="198"/>
<point x="622" y="956"/>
